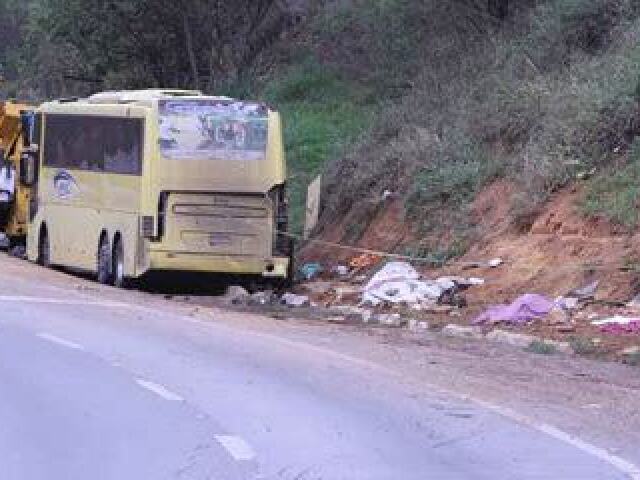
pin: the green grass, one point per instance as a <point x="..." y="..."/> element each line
<point x="583" y="346"/>
<point x="615" y="193"/>
<point x="541" y="348"/>
<point x="633" y="360"/>
<point x="322" y="115"/>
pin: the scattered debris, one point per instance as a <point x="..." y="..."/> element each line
<point x="340" y="270"/>
<point x="524" y="309"/>
<point x="453" y="330"/>
<point x="387" y="194"/>
<point x="317" y="287"/>
<point x="568" y="303"/>
<point x="565" y="328"/>
<point x="558" y="316"/>
<point x="635" y="350"/>
<point x="634" y="302"/>
<point x="417" y="325"/>
<point x="587" y="292"/>
<point x="310" y="270"/>
<point x="446" y="283"/>
<point x="266" y="297"/>
<point x="495" y="262"/>
<point x="355" y="312"/>
<point x="632" y="327"/>
<point x="453" y="298"/>
<point x="365" y="260"/>
<point x="438" y="309"/>
<point x="615" y="320"/>
<point x="399" y="282"/>
<point x="235" y="295"/>
<point x="390" y="319"/>
<point x="293" y="300"/>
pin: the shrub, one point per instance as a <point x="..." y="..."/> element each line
<point x="615" y="194"/>
<point x="541" y="347"/>
<point x="583" y="346"/>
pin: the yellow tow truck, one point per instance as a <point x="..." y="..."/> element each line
<point x="15" y="195"/>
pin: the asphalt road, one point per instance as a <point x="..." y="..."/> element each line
<point x="101" y="389"/>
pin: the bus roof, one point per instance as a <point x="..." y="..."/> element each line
<point x="135" y="97"/>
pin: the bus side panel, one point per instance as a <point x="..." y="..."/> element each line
<point x="81" y="205"/>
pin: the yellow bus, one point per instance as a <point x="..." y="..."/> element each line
<point x="133" y="181"/>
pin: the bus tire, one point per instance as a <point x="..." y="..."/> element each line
<point x="103" y="261"/>
<point x="44" y="248"/>
<point x="119" y="278"/>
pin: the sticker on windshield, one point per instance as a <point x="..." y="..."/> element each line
<point x="212" y="129"/>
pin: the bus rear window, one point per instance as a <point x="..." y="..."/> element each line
<point x="211" y="129"/>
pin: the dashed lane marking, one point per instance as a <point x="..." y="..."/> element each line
<point x="159" y="390"/>
<point x="237" y="447"/>
<point x="60" y="301"/>
<point x="60" y="341"/>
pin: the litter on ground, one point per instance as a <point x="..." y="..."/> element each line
<point x="310" y="270"/>
<point x="363" y="261"/>
<point x="522" y="310"/>
<point x="615" y="320"/>
<point x="399" y="282"/>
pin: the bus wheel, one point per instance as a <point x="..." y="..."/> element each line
<point x="103" y="261"/>
<point x="119" y="279"/>
<point x="44" y="252"/>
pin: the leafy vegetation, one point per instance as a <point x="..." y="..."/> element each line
<point x="583" y="346"/>
<point x="323" y="114"/>
<point x="431" y="100"/>
<point x="615" y="195"/>
<point x="541" y="348"/>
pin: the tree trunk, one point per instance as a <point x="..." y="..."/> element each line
<point x="188" y="38"/>
<point x="499" y="8"/>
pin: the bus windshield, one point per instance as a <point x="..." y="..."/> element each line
<point x="212" y="129"/>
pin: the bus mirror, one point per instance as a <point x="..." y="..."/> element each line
<point x="28" y="169"/>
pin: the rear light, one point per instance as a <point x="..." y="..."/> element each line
<point x="282" y="243"/>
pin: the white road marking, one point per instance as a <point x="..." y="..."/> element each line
<point x="629" y="469"/>
<point x="159" y="390"/>
<point x="60" y="301"/>
<point x="240" y="450"/>
<point x="60" y="341"/>
<point x="237" y="447"/>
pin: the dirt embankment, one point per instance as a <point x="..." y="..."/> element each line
<point x="557" y="250"/>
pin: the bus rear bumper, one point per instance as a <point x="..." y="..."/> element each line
<point x="275" y="267"/>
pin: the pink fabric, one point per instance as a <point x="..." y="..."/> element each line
<point x="621" y="329"/>
<point x="524" y="309"/>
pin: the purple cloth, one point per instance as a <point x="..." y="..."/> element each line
<point x="525" y="308"/>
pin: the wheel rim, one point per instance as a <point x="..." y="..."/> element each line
<point x="103" y="262"/>
<point x="119" y="267"/>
